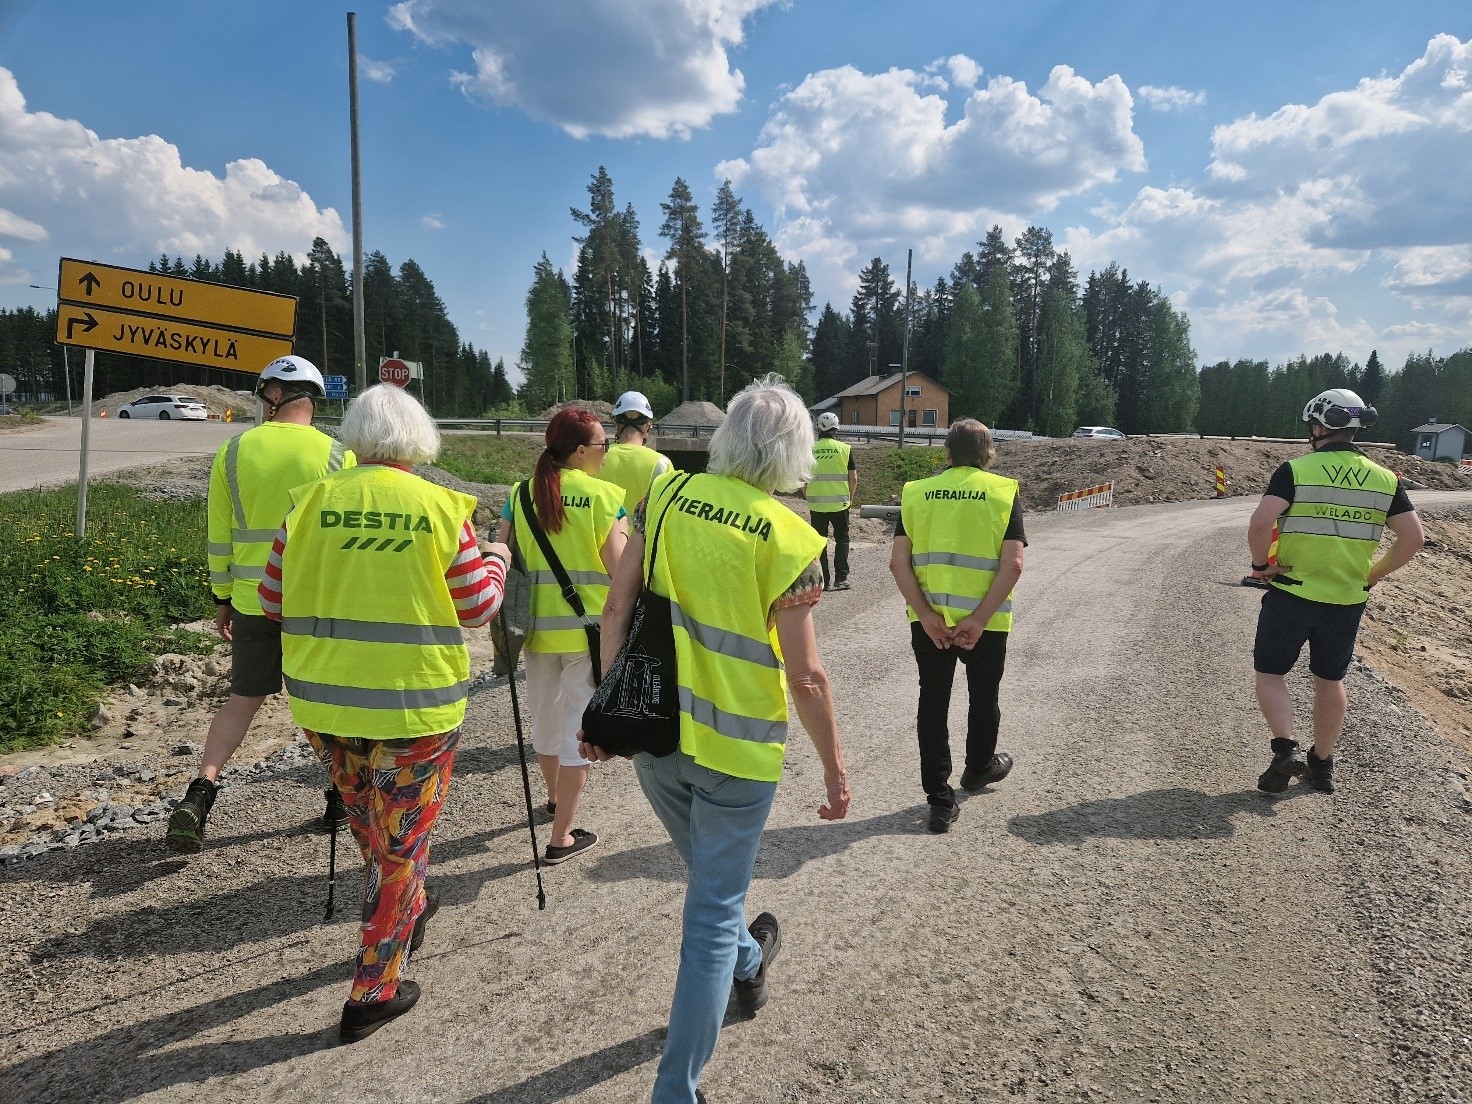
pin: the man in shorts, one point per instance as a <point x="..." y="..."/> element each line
<point x="249" y="496"/>
<point x="1330" y="508"/>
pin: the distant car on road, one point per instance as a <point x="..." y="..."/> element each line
<point x="165" y="407"/>
<point x="1104" y="433"/>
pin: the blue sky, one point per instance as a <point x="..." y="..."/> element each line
<point x="1294" y="176"/>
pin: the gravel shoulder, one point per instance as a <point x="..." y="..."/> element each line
<point x="1125" y="919"/>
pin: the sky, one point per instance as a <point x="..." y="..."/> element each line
<point x="1297" y="178"/>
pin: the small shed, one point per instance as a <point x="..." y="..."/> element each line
<point x="1439" y="441"/>
<point x="876" y="402"/>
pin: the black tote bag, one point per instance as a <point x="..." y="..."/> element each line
<point x="637" y="705"/>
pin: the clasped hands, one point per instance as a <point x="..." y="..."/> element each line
<point x="964" y="635"/>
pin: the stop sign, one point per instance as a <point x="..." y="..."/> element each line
<point x="395" y="372"/>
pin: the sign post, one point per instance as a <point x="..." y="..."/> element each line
<point x="87" y="367"/>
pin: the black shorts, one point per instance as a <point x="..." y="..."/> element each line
<point x="1287" y="622"/>
<point x="255" y="655"/>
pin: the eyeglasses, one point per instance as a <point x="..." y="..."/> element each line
<point x="603" y="444"/>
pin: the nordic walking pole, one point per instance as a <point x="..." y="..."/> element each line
<point x="526" y="778"/>
<point x="331" y="876"/>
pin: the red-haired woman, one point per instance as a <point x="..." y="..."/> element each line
<point x="583" y="518"/>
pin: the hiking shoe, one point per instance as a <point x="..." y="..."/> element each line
<point x="1320" y="772"/>
<point x="361" y="1020"/>
<point x="431" y="906"/>
<point x="186" y="822"/>
<point x="581" y="841"/>
<point x="842" y="584"/>
<point x="998" y="768"/>
<point x="751" y="994"/>
<point x="336" y="814"/>
<point x="942" y="817"/>
<point x="1287" y="764"/>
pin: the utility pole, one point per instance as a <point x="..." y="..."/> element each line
<point x="360" y="345"/>
<point x="905" y="345"/>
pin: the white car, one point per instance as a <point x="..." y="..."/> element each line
<point x="1104" y="433"/>
<point x="165" y="407"/>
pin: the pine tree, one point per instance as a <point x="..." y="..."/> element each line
<point x="682" y="229"/>
<point x="546" y="355"/>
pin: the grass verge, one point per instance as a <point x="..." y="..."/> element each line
<point x="485" y="458"/>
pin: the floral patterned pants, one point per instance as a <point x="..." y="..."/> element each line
<point x="393" y="790"/>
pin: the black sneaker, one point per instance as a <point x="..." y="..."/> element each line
<point x="336" y="814"/>
<point x="186" y="822"/>
<point x="582" y="840"/>
<point x="1320" y="772"/>
<point x="431" y="906"/>
<point x="942" y="817"/>
<point x="998" y="768"/>
<point x="1287" y="765"/>
<point x="842" y="584"/>
<point x="361" y="1020"/>
<point x="751" y="994"/>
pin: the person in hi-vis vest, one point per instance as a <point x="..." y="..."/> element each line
<point x="1330" y="508"/>
<point x="740" y="571"/>
<point x="250" y="481"/>
<point x="829" y="493"/>
<point x="374" y="576"/>
<point x="583" y="519"/>
<point x="957" y="554"/>
<point x="631" y="464"/>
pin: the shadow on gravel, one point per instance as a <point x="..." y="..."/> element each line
<point x="1155" y="814"/>
<point x="580" y="1074"/>
<point x="129" y="1062"/>
<point x="784" y="850"/>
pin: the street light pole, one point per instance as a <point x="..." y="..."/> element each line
<point x="905" y="343"/>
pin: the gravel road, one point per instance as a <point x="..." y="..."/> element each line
<point x="49" y="453"/>
<point x="1124" y="919"/>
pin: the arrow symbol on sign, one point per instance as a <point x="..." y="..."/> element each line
<point x="87" y="322"/>
<point x="91" y="283"/>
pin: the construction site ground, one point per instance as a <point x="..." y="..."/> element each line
<point x="1124" y="919"/>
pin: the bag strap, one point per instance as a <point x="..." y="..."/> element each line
<point x="569" y="592"/>
<point x="654" y="543"/>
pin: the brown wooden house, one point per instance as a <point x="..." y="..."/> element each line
<point x="876" y="402"/>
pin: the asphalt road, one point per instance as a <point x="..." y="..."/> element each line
<point x="49" y="454"/>
<point x="1124" y="919"/>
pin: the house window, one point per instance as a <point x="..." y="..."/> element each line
<point x="928" y="418"/>
<point x="912" y="391"/>
<point x="894" y="417"/>
<point x="855" y="420"/>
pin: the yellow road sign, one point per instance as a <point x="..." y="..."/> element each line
<point x="86" y="283"/>
<point x="166" y="339"/>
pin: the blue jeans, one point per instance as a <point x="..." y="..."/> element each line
<point x="715" y="821"/>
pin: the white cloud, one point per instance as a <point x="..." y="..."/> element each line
<point x="380" y="72"/>
<point x="964" y="71"/>
<point x="130" y="199"/>
<point x="1169" y="99"/>
<point x="656" y="68"/>
<point x="432" y="221"/>
<point x="858" y="165"/>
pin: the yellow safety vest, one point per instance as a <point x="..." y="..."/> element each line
<point x="956" y="522"/>
<point x="1329" y="535"/>
<point x="828" y="491"/>
<point x="370" y="642"/>
<point x="250" y="493"/>
<point x="590" y="507"/>
<point x="633" y="468"/>
<point x="726" y="553"/>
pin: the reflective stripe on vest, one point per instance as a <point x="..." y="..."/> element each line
<point x="1331" y="530"/>
<point x="956" y="522"/>
<point x="828" y="489"/>
<point x="726" y="553"/>
<point x="590" y="508"/>
<point x="371" y="644"/>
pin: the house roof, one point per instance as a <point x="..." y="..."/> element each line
<point x="1439" y="427"/>
<point x="875" y="384"/>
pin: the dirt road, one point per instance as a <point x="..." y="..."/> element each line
<point x="1124" y="919"/>
<point x="49" y="453"/>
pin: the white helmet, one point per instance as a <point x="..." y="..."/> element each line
<point x="633" y="402"/>
<point x="293" y="369"/>
<point x="1340" y="408"/>
<point x="826" y="421"/>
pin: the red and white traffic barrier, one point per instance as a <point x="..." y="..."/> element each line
<point x="1090" y="498"/>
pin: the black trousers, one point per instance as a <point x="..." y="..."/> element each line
<point x="838" y="520"/>
<point x="984" y="665"/>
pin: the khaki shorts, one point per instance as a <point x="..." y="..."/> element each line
<point x="255" y="655"/>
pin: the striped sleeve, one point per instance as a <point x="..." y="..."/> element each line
<point x="269" y="592"/>
<point x="477" y="584"/>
